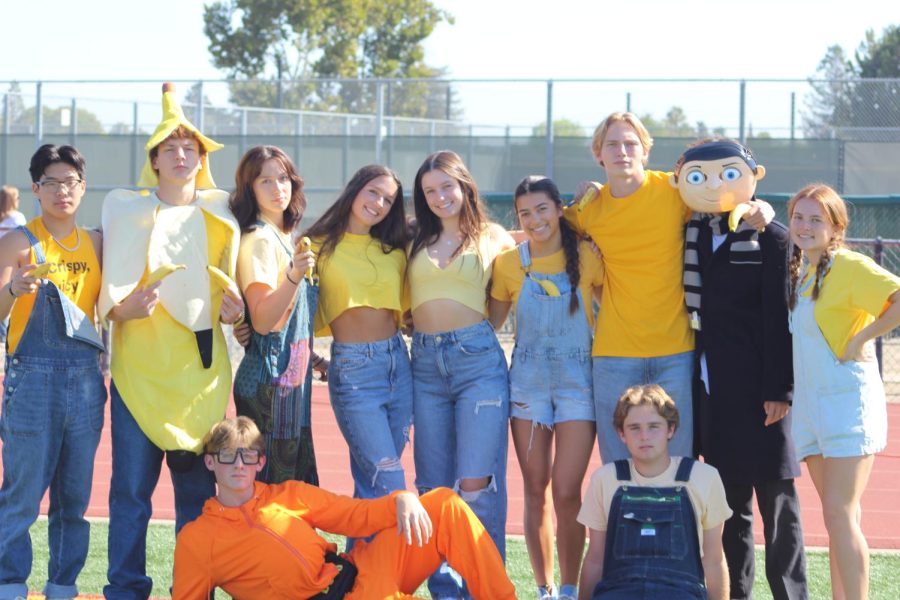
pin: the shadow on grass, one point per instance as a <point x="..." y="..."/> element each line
<point x="884" y="576"/>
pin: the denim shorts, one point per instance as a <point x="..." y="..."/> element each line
<point x="845" y="416"/>
<point x="548" y="388"/>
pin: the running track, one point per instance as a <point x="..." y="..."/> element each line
<point x="881" y="510"/>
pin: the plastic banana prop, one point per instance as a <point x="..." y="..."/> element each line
<point x="220" y="277"/>
<point x="548" y="286"/>
<point x="306" y="244"/>
<point x="162" y="272"/>
<point x="41" y="270"/>
<point x="734" y="219"/>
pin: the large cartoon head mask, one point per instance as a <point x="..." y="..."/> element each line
<point x="716" y="176"/>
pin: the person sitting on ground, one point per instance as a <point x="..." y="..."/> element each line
<point x="641" y="510"/>
<point x="257" y="540"/>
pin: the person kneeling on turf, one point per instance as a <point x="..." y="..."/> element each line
<point x="256" y="540"/>
<point x="655" y="520"/>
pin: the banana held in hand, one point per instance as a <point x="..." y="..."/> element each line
<point x="41" y="270"/>
<point x="162" y="272"/>
<point x="737" y="212"/>
<point x="306" y="244"/>
<point x="220" y="277"/>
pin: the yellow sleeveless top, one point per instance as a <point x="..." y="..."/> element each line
<point x="76" y="273"/>
<point x="464" y="279"/>
<point x="358" y="273"/>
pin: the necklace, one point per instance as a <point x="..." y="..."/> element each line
<point x="66" y="248"/>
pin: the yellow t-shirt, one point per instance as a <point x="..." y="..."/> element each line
<point x="704" y="488"/>
<point x="76" y="274"/>
<point x="641" y="237"/>
<point x="263" y="257"/>
<point x="853" y="294"/>
<point x="157" y="369"/>
<point x="358" y="273"/>
<point x="509" y="275"/>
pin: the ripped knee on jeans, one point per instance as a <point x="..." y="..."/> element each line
<point x="386" y="465"/>
<point x="470" y="488"/>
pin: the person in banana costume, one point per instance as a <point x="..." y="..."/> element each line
<point x="734" y="287"/>
<point x="171" y="248"/>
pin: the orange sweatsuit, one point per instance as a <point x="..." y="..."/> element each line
<point x="269" y="547"/>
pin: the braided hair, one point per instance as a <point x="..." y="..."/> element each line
<point x="540" y="184"/>
<point x="836" y="211"/>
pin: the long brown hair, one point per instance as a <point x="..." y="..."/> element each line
<point x="540" y="184"/>
<point x="331" y="226"/>
<point x="243" y="201"/>
<point x="835" y="210"/>
<point x="472" y="217"/>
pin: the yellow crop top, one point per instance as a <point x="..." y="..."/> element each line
<point x="463" y="280"/>
<point x="358" y="273"/>
<point x="76" y="273"/>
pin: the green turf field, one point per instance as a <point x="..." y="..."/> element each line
<point x="885" y="567"/>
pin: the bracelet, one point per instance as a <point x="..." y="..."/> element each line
<point x="10" y="290"/>
<point x="317" y="360"/>
<point x="240" y="319"/>
<point x="287" y="275"/>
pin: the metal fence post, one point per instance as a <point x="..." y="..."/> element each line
<point x="345" y="152"/>
<point x="743" y="108"/>
<point x="627" y="101"/>
<point x="548" y="141"/>
<point x="6" y="130"/>
<point x="298" y="140"/>
<point x="879" y="349"/>
<point x="243" y="139"/>
<point x="73" y="124"/>
<point x="793" y="114"/>
<point x="135" y="144"/>
<point x="379" y="119"/>
<point x="38" y="115"/>
<point x="200" y="124"/>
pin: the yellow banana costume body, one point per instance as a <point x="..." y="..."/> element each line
<point x="172" y="368"/>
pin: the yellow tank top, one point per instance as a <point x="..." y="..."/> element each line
<point x="464" y="279"/>
<point x="76" y="273"/>
<point x="358" y="273"/>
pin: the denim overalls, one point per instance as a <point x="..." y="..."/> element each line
<point x="839" y="407"/>
<point x="550" y="375"/>
<point x="53" y="403"/>
<point x="652" y="551"/>
<point x="273" y="386"/>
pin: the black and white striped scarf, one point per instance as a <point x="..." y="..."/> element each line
<point x="744" y="251"/>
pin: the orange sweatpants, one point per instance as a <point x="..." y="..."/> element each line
<point x="389" y="568"/>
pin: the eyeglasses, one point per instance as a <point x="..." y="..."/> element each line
<point x="249" y="456"/>
<point x="53" y="185"/>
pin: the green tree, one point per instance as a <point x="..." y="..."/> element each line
<point x="56" y="120"/>
<point x="561" y="128"/>
<point x="857" y="98"/>
<point x="674" y="124"/>
<point x="280" y="43"/>
<point x="13" y="98"/>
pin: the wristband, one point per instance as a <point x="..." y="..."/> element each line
<point x="10" y="290"/>
<point x="240" y="319"/>
<point x="287" y="275"/>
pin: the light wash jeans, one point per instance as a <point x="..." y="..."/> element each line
<point x="614" y="374"/>
<point x="370" y="385"/>
<point x="461" y="409"/>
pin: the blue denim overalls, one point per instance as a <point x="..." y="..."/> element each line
<point x="652" y="551"/>
<point x="53" y="402"/>
<point x="550" y="375"/>
<point x="273" y="386"/>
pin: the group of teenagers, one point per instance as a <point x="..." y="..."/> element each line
<point x="720" y="333"/>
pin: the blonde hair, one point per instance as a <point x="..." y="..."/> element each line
<point x="620" y="117"/>
<point x="236" y="432"/>
<point x="646" y="395"/>
<point x="835" y="210"/>
<point x="9" y="199"/>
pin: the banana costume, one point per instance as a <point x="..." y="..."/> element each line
<point x="172" y="368"/>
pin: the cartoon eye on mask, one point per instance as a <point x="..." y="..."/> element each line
<point x="695" y="177"/>
<point x="731" y="174"/>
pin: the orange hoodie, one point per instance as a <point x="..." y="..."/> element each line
<point x="269" y="547"/>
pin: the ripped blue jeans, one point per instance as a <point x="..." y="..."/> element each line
<point x="461" y="412"/>
<point x="370" y="385"/>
